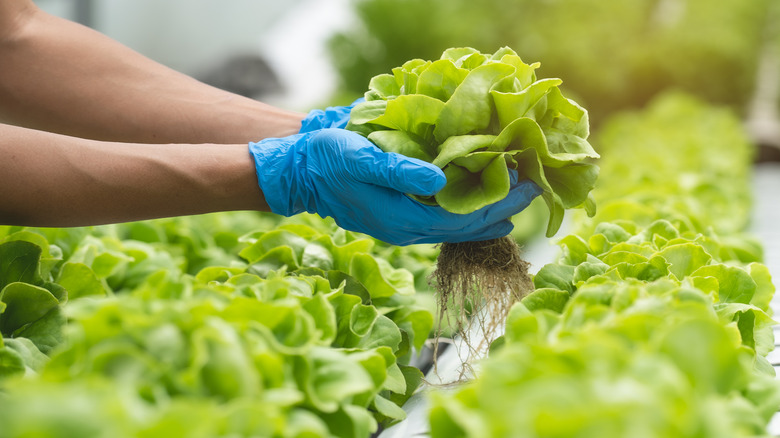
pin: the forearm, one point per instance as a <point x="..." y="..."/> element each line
<point x="54" y="180"/>
<point x="61" y="77"/>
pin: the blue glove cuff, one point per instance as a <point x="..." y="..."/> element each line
<point x="275" y="166"/>
<point x="331" y="117"/>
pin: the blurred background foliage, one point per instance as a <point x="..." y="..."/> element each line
<point x="611" y="55"/>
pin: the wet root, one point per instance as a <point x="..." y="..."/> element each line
<point x="476" y="284"/>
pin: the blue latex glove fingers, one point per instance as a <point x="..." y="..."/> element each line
<point x="520" y="195"/>
<point x="331" y="117"/>
<point x="413" y="222"/>
<point x="369" y="165"/>
<point x="364" y="189"/>
<point x="489" y="222"/>
<point x="492" y="221"/>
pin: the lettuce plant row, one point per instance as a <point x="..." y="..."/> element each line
<point x="304" y="331"/>
<point x="655" y="320"/>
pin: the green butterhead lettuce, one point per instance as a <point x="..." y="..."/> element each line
<point x="475" y="116"/>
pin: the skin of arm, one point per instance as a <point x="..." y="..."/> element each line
<point x="137" y="140"/>
<point x="50" y="179"/>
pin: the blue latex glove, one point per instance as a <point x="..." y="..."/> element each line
<point x="339" y="173"/>
<point x="330" y="117"/>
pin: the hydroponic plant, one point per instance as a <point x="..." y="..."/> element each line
<point x="483" y="119"/>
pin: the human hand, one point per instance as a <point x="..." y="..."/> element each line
<point x="330" y="117"/>
<point x="339" y="173"/>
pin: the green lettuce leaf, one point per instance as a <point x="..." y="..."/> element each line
<point x="466" y="113"/>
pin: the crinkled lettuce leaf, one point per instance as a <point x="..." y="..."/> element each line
<point x="475" y="115"/>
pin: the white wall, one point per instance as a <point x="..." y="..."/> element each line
<point x="296" y="47"/>
<point x="188" y="34"/>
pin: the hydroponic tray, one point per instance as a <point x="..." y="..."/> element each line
<point x="766" y="182"/>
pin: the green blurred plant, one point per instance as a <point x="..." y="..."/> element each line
<point x="611" y="55"/>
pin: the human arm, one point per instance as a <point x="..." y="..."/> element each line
<point x="62" y="77"/>
<point x="54" y="180"/>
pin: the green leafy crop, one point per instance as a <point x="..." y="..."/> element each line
<point x="476" y="116"/>
<point x="217" y="325"/>
<point x="656" y="320"/>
